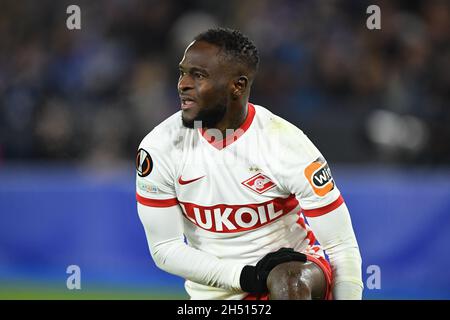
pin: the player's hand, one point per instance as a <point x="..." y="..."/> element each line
<point x="253" y="278"/>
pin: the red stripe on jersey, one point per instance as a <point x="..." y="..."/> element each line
<point x="301" y="222"/>
<point x="159" y="203"/>
<point x="310" y="236"/>
<point x="324" y="210"/>
<point x="225" y="218"/>
<point x="222" y="143"/>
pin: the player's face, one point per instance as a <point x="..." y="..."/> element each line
<point x="203" y="85"/>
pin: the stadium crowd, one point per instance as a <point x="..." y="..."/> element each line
<point x="90" y="95"/>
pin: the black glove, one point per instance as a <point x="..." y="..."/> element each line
<point x="253" y="278"/>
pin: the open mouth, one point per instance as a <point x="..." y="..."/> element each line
<point x="187" y="103"/>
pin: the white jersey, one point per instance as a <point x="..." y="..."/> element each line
<point x="242" y="197"/>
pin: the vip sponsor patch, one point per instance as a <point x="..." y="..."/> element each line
<point x="144" y="163"/>
<point x="259" y="183"/>
<point x="319" y="177"/>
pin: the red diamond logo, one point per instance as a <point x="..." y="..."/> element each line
<point x="259" y="183"/>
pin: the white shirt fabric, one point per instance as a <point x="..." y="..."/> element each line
<point x="235" y="200"/>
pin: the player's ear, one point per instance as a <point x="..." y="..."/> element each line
<point x="240" y="86"/>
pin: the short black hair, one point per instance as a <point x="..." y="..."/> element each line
<point x="233" y="43"/>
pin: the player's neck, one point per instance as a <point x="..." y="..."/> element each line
<point x="234" y="117"/>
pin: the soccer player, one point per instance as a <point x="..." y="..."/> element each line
<point x="224" y="186"/>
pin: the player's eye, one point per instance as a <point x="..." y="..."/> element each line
<point x="198" y="75"/>
<point x="182" y="73"/>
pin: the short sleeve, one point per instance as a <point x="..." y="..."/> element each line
<point x="154" y="178"/>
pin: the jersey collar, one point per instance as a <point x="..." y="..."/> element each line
<point x="223" y="143"/>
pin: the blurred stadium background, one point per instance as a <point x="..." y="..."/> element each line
<point x="74" y="106"/>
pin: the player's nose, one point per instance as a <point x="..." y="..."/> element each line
<point x="185" y="83"/>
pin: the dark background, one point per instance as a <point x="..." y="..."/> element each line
<point x="74" y="105"/>
<point x="90" y="95"/>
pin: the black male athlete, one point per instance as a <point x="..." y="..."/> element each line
<point x="237" y="182"/>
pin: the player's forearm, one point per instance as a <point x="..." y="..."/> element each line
<point x="164" y="232"/>
<point x="346" y="265"/>
<point x="178" y="258"/>
<point x="335" y="233"/>
<point x="347" y="290"/>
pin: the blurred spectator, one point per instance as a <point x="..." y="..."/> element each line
<point x="90" y="95"/>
